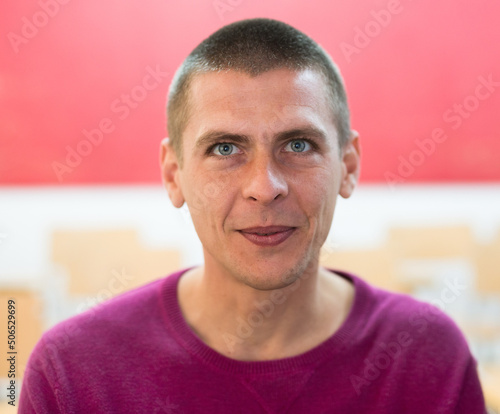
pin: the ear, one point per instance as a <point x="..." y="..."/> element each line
<point x="350" y="165"/>
<point x="170" y="173"/>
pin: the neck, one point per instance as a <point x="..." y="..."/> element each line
<point x="244" y="323"/>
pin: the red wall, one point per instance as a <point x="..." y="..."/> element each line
<point x="413" y="71"/>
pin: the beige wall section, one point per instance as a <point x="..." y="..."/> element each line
<point x="431" y="242"/>
<point x="376" y="266"/>
<point x="382" y="266"/>
<point x="488" y="267"/>
<point x="109" y="262"/>
<point x="29" y="327"/>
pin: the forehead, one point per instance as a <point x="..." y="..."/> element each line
<point x="231" y="99"/>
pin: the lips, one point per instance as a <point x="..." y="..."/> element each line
<point x="267" y="236"/>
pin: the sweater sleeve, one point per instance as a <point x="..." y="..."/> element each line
<point x="445" y="365"/>
<point x="471" y="398"/>
<point x="39" y="386"/>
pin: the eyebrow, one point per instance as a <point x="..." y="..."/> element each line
<point x="304" y="132"/>
<point x="212" y="137"/>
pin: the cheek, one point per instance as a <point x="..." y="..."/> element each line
<point x="207" y="197"/>
<point x="319" y="195"/>
<point x="318" y="184"/>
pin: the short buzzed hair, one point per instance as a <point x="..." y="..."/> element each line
<point x="254" y="46"/>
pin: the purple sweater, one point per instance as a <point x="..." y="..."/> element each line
<point x="136" y="354"/>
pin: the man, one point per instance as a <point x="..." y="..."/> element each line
<point x="260" y="147"/>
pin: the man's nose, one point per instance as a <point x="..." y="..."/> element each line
<point x="265" y="180"/>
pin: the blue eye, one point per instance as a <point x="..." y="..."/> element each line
<point x="299" y="145"/>
<point x="224" y="149"/>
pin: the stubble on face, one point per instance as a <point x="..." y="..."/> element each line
<point x="236" y="103"/>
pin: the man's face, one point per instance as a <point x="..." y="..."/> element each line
<point x="261" y="173"/>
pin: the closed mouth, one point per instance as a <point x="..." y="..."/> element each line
<point x="268" y="236"/>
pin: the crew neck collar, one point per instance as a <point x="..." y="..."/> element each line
<point x="189" y="341"/>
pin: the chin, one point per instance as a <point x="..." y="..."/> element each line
<point x="267" y="278"/>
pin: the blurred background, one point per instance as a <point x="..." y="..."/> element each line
<point x="84" y="217"/>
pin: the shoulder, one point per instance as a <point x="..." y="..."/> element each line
<point x="404" y="349"/>
<point x="99" y="348"/>
<point x="384" y="315"/>
<point x="112" y="321"/>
